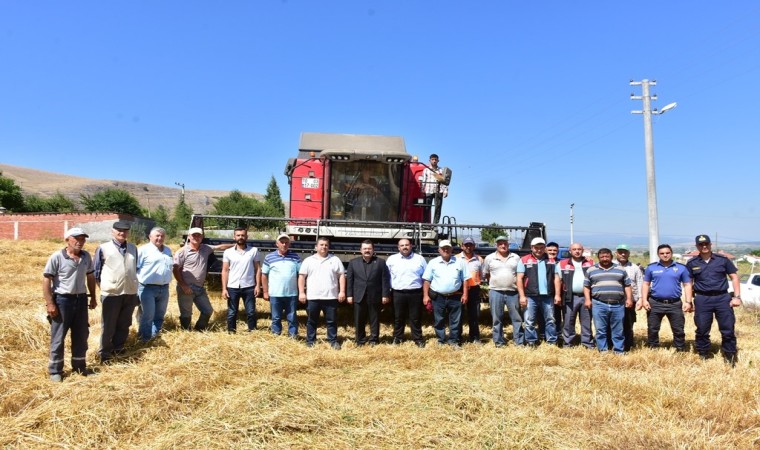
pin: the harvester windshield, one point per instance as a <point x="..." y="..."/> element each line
<point x="365" y="190"/>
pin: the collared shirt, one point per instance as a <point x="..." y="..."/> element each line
<point x="431" y="185"/>
<point x="634" y="274"/>
<point x="193" y="263"/>
<point x="406" y="272"/>
<point x="322" y="276"/>
<point x="474" y="266"/>
<point x="154" y="266"/>
<point x="242" y="266"/>
<point x="666" y="280"/>
<point x="69" y="275"/>
<point x="98" y="260"/>
<point x="282" y="273"/>
<point x="501" y="271"/>
<point x="543" y="288"/>
<point x="446" y="277"/>
<point x="607" y="284"/>
<point x="710" y="275"/>
<point x="578" y="277"/>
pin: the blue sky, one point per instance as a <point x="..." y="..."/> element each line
<point x="527" y="102"/>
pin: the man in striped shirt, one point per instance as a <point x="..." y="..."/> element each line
<point x="610" y="289"/>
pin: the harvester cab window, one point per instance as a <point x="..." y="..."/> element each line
<point x="365" y="190"/>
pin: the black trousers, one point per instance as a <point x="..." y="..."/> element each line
<point x="407" y="306"/>
<point x="472" y="311"/>
<point x="675" y="316"/>
<point x="363" y="310"/>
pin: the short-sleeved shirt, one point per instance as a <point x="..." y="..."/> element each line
<point x="282" y="273"/>
<point x="501" y="271"/>
<point x="154" y="266"/>
<point x="322" y="276"/>
<point x="446" y="277"/>
<point x="242" y="266"/>
<point x="710" y="275"/>
<point x="607" y="285"/>
<point x="474" y="266"/>
<point x="406" y="271"/>
<point x="666" y="280"/>
<point x="69" y="276"/>
<point x="194" y="263"/>
<point x="543" y="282"/>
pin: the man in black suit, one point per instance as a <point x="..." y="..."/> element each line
<point x="368" y="287"/>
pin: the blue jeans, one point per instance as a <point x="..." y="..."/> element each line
<point x="287" y="305"/>
<point x="546" y="304"/>
<point x="73" y="316"/>
<point x="330" y="308"/>
<point x="154" y="298"/>
<point x="608" y="315"/>
<point x="441" y="306"/>
<point x="498" y="300"/>
<point x="233" y="303"/>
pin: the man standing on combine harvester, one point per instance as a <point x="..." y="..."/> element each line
<point x="433" y="187"/>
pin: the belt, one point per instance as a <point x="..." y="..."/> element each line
<point x="449" y="295"/>
<point x="156" y="285"/>
<point x="505" y="292"/>
<point x="610" y="302"/>
<point x="711" y="292"/>
<point x="408" y="290"/>
<point x="667" y="301"/>
<point x="72" y="295"/>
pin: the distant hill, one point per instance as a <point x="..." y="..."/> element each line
<point x="45" y="184"/>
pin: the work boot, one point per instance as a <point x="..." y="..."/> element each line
<point x="184" y="322"/>
<point x="730" y="359"/>
<point x="202" y="322"/>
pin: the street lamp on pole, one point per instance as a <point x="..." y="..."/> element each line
<point x="654" y="232"/>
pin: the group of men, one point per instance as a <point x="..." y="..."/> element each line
<point x="538" y="292"/>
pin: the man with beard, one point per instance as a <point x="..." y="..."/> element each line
<point x="406" y="268"/>
<point x="368" y="287"/>
<point x="241" y="278"/>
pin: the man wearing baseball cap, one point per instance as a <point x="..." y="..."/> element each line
<point x="68" y="276"/>
<point x="444" y="279"/>
<point x="279" y="278"/>
<point x="711" y="298"/>
<point x="116" y="274"/>
<point x="538" y="286"/>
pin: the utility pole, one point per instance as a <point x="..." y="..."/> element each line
<point x="572" y="219"/>
<point x="654" y="232"/>
<point x="182" y="185"/>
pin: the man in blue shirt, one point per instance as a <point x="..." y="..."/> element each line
<point x="279" y="278"/>
<point x="154" y="273"/>
<point x="709" y="271"/>
<point x="663" y="280"/>
<point x="406" y="268"/>
<point x="444" y="278"/>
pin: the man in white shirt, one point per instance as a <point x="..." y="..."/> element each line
<point x="241" y="278"/>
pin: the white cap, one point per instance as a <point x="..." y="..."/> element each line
<point x="195" y="230"/>
<point x="537" y="241"/>
<point x="444" y="243"/>
<point x="283" y="236"/>
<point x="76" y="231"/>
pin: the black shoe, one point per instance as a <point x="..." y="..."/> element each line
<point x="372" y="343"/>
<point x="397" y="341"/>
<point x="730" y="359"/>
<point x="420" y="344"/>
<point x="335" y="345"/>
<point x="310" y="344"/>
<point x="83" y="372"/>
<point x="705" y="356"/>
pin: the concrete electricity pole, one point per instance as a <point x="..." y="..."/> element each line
<point x="654" y="232"/>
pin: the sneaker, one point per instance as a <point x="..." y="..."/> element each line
<point x="56" y="378"/>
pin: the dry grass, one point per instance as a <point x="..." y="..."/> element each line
<point x="255" y="390"/>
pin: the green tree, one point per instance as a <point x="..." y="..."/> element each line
<point x="58" y="203"/>
<point x="273" y="197"/>
<point x="755" y="253"/>
<point x="238" y="204"/>
<point x="181" y="220"/>
<point x="112" y="200"/>
<point x="161" y="216"/>
<point x="11" y="197"/>
<point x="493" y="231"/>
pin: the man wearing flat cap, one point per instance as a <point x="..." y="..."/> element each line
<point x="68" y="276"/>
<point x="709" y="271"/>
<point x="116" y="274"/>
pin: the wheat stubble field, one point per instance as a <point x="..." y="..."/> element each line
<point x="255" y="390"/>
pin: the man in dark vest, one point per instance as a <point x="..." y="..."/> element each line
<point x="538" y="286"/>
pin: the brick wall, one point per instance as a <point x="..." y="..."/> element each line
<point x="53" y="226"/>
